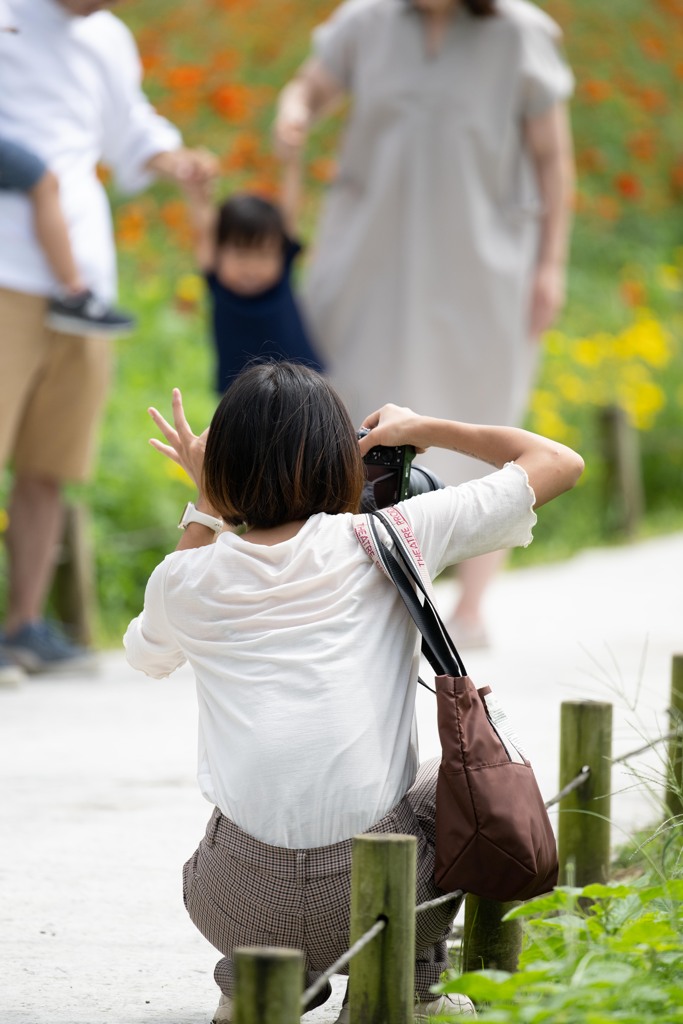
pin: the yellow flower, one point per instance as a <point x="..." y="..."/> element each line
<point x="589" y="351"/>
<point x="177" y="472"/>
<point x="670" y="277"/>
<point x="555" y="343"/>
<point x="4" y="520"/>
<point x="549" y="423"/>
<point x="571" y="387"/>
<point x="646" y="340"/>
<point x="189" y="289"/>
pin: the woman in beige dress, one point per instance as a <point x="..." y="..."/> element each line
<point x="440" y="256"/>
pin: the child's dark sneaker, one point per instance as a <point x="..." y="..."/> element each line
<point x="86" y="314"/>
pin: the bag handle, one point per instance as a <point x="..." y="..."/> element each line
<point x="437" y="645"/>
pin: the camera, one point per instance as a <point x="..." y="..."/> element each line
<point x="391" y="475"/>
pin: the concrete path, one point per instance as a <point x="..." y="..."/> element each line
<point x="99" y="806"/>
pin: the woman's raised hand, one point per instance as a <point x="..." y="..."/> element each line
<point x="391" y="425"/>
<point x="184" y="447"/>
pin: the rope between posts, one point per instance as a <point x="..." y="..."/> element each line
<point x="421" y="907"/>
<point x="585" y="771"/>
<point x="320" y="982"/>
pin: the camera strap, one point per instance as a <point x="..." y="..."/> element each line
<point x="437" y="645"/>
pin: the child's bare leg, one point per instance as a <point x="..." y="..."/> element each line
<point x="52" y="233"/>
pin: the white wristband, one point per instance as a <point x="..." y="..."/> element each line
<point x="191" y="514"/>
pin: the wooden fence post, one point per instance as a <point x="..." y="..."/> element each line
<point x="674" y="789"/>
<point x="623" y="478"/>
<point x="489" y="942"/>
<point x="584" y="821"/>
<point x="268" y="985"/>
<point x="73" y="589"/>
<point x="382" y="974"/>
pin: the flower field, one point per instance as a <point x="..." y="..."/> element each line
<point x="214" y="67"/>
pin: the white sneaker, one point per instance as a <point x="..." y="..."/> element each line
<point x="223" y="1014"/>
<point x="453" y="1006"/>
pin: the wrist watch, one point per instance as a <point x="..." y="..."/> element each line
<point x="191" y="514"/>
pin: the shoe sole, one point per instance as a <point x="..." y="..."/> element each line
<point x="30" y="662"/>
<point x="11" y="677"/>
<point x="84" y="328"/>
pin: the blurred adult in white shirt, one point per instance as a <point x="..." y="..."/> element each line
<point x="70" y="91"/>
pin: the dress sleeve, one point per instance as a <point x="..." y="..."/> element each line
<point x="487" y="514"/>
<point x="133" y="131"/>
<point x="335" y="41"/>
<point x="546" y="77"/>
<point x="150" y="641"/>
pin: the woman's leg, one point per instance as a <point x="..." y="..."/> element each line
<point x="432" y="926"/>
<point x="467" y="621"/>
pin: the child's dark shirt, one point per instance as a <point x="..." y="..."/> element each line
<point x="268" y="325"/>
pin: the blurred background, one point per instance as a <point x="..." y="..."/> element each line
<point x="611" y="379"/>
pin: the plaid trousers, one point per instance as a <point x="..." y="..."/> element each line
<point x="242" y="892"/>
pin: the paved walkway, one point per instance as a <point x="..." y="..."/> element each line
<point x="99" y="806"/>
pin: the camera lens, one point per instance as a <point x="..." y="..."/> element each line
<point x="423" y="480"/>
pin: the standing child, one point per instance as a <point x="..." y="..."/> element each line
<point x="246" y="249"/>
<point x="76" y="310"/>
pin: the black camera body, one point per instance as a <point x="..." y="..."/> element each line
<point x="391" y="476"/>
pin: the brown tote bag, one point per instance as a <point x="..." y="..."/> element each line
<point x="493" y="834"/>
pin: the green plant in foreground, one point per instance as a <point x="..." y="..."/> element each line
<point x="593" y="955"/>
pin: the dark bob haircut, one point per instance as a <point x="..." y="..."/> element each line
<point x="249" y="220"/>
<point x="281" y="447"/>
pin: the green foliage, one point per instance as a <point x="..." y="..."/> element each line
<point x="591" y="955"/>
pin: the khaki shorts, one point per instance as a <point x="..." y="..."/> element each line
<point x="52" y="392"/>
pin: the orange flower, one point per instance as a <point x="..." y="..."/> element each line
<point x="608" y="208"/>
<point x="642" y="146"/>
<point x="231" y="101"/>
<point x="633" y="293"/>
<point x="130" y="225"/>
<point x="653" y="47"/>
<point x="245" y="153"/>
<point x="628" y="185"/>
<point x="652" y="99"/>
<point x="595" y="90"/>
<point x="323" y="169"/>
<point x="174" y="214"/>
<point x="185" y="76"/>
<point x="103" y="173"/>
<point x="149" y="60"/>
<point x="590" y="160"/>
<point x="267" y="186"/>
<point x="677" y="177"/>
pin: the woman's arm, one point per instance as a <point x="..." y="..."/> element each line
<point x="310" y="95"/>
<point x="548" y="138"/>
<point x="551" y="467"/>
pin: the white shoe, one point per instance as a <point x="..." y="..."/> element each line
<point x="223" y="1014"/>
<point x="455" y="1005"/>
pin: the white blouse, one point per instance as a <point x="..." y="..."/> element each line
<point x="306" y="660"/>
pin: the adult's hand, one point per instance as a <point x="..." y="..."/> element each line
<point x="185" y="166"/>
<point x="184" y="447"/>
<point x="547" y="298"/>
<point x="312" y="93"/>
